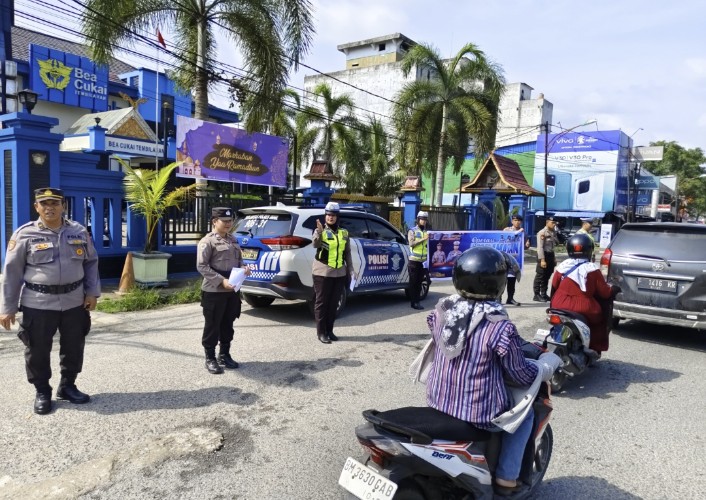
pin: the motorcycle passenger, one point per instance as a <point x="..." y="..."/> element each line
<point x="417" y="238"/>
<point x="579" y="286"/>
<point x="477" y="348"/>
<point x="330" y="269"/>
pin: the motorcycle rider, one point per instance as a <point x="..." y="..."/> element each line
<point x="476" y="349"/>
<point x="579" y="286"/>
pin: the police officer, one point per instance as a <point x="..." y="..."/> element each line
<point x="546" y="260"/>
<point x="586" y="225"/>
<point x="218" y="253"/>
<point x="511" y="278"/>
<point x="51" y="270"/>
<point x="330" y="270"/>
<point x="417" y="238"/>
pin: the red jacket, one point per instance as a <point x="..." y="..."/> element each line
<point x="568" y="295"/>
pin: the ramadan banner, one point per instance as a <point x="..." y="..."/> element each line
<point x="446" y="246"/>
<point x="222" y="153"/>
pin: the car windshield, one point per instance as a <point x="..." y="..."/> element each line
<point x="671" y="245"/>
<point x="264" y="225"/>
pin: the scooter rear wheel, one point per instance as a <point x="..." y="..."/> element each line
<point x="408" y="490"/>
<point x="542" y="456"/>
<point x="557" y="381"/>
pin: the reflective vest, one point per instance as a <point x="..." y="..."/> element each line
<point x="420" y="249"/>
<point x="333" y="246"/>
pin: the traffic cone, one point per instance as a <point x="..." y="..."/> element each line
<point x="127" y="279"/>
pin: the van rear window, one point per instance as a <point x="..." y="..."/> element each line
<point x="265" y="225"/>
<point x="671" y="245"/>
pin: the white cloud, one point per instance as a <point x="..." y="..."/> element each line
<point x="696" y="66"/>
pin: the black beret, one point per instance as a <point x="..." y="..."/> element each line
<point x="516" y="217"/>
<point x="221" y="212"/>
<point x="551" y="218"/>
<point x="48" y="194"/>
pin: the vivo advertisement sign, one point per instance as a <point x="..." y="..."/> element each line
<point x="586" y="171"/>
<point x="68" y="79"/>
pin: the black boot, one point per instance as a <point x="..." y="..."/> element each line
<point x="42" y="401"/>
<point x="323" y="338"/>
<point x="211" y="362"/>
<point x="225" y="359"/>
<point x="417" y="305"/>
<point x="68" y="391"/>
<point x="332" y="336"/>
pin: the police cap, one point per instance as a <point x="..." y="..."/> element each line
<point x="551" y="218"/>
<point x="586" y="219"/>
<point x="48" y="193"/>
<point x="516" y="217"/>
<point x="221" y="212"/>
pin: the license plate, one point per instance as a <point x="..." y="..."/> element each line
<point x="365" y="483"/>
<point x="657" y="284"/>
<point x="250" y="253"/>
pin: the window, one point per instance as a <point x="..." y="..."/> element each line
<point x="265" y="225"/>
<point x="381" y="47"/>
<point x="379" y="231"/>
<point x="356" y="227"/>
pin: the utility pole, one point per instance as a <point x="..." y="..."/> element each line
<point x="546" y="160"/>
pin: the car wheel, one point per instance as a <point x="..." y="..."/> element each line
<point x="423" y="292"/>
<point x="258" y="300"/>
<point x="339" y="308"/>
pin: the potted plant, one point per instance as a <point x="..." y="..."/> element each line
<point x="147" y="195"/>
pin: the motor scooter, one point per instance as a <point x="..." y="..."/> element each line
<point x="419" y="453"/>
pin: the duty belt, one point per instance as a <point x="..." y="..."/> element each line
<point x="225" y="274"/>
<point x="53" y="289"/>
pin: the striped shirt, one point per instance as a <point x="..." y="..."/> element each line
<point x="471" y="386"/>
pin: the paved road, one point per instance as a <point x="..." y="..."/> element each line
<point x="159" y="426"/>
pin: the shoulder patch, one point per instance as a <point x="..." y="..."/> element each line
<point x="202" y="246"/>
<point x="11" y="245"/>
<point x="542" y="236"/>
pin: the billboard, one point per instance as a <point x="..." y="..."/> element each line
<point x="68" y="79"/>
<point x="222" y="153"/>
<point x="586" y="171"/>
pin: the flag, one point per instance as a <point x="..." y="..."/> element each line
<point x="160" y="39"/>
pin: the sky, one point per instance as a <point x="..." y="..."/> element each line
<point x="634" y="65"/>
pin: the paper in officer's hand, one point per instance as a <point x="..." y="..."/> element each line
<point x="237" y="276"/>
<point x="352" y="285"/>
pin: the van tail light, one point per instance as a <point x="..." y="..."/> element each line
<point x="285" y="242"/>
<point x="605" y="262"/>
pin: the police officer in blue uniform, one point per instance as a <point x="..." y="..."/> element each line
<point x="51" y="270"/>
<point x="217" y="254"/>
<point x="330" y="270"/>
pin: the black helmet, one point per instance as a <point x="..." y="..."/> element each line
<point x="480" y="273"/>
<point x="580" y="246"/>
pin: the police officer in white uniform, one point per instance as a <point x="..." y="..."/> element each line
<point x="511" y="278"/>
<point x="217" y="254"/>
<point x="51" y="270"/>
<point x="418" y="237"/>
<point x="546" y="259"/>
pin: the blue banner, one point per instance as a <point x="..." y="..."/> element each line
<point x="580" y="141"/>
<point x="446" y="246"/>
<point x="68" y="79"/>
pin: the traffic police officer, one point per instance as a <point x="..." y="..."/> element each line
<point x="332" y="264"/>
<point x="546" y="260"/>
<point x="511" y="278"/>
<point x="51" y="270"/>
<point x="418" y="237"/>
<point x="218" y="253"/>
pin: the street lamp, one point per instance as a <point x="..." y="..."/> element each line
<point x="28" y="98"/>
<point x="547" y="145"/>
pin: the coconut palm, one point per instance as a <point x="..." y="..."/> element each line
<point x="272" y="36"/>
<point x="439" y="117"/>
<point x="370" y="169"/>
<point x="329" y="126"/>
<point x="147" y="193"/>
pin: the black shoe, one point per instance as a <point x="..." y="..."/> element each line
<point x="331" y="336"/>
<point x="323" y="338"/>
<point x="72" y="394"/>
<point x="513" y="302"/>
<point x="538" y="298"/>
<point x="545" y="297"/>
<point x="42" y="403"/>
<point x="417" y="305"/>
<point x="213" y="367"/>
<point x="227" y="361"/>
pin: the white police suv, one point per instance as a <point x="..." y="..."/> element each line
<point x="277" y="247"/>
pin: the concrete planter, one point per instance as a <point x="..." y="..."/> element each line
<point x="150" y="268"/>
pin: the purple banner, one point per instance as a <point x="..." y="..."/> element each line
<point x="222" y="153"/>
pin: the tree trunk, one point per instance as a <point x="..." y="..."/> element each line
<point x="201" y="84"/>
<point x="440" y="163"/>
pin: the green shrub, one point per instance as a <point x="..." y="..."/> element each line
<point x="140" y="299"/>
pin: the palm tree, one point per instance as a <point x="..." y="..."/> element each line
<point x="370" y="169"/>
<point x="272" y="35"/>
<point x="331" y="125"/>
<point x="439" y="117"/>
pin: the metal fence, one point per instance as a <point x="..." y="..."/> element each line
<point x="447" y="218"/>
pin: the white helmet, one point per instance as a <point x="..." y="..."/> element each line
<point x="332" y="208"/>
<point x="422" y="215"/>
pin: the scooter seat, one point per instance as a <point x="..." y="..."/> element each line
<point x="570" y="314"/>
<point x="431" y="422"/>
